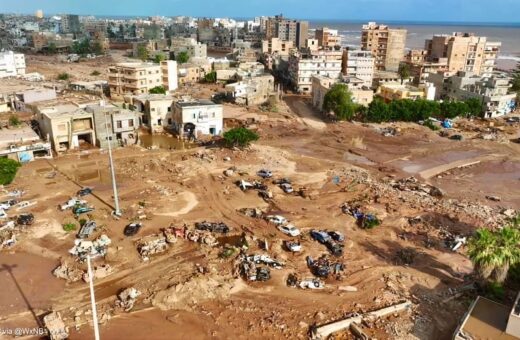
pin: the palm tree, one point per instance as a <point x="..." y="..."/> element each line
<point x="493" y="253"/>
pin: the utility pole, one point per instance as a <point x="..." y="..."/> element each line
<point x="93" y="299"/>
<point x="117" y="212"/>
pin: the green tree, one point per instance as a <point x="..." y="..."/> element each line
<point x="182" y="57"/>
<point x="96" y="48"/>
<point x="142" y="53"/>
<point x="95" y="73"/>
<point x="451" y="109"/>
<point x="8" y="169"/>
<point x="378" y="111"/>
<point x="474" y="107"/>
<point x="81" y="47"/>
<point x="158" y="90"/>
<point x="493" y="253"/>
<point x="339" y="101"/>
<point x="159" y="57"/>
<point x="240" y="137"/>
<point x="403" y="71"/>
<point x="211" y="77"/>
<point x="63" y="76"/>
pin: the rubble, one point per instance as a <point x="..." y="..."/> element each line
<point x="252" y="212"/>
<point x="150" y="245"/>
<point x="67" y="272"/>
<point x="413" y="184"/>
<point x="127" y="298"/>
<point x="55" y="326"/>
<point x="99" y="272"/>
<point x="95" y="248"/>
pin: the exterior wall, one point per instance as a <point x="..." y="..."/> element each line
<point x="322" y="85"/>
<point x="121" y="124"/>
<point x="360" y="64"/>
<point x="208" y="119"/>
<point x="190" y="74"/>
<point x="169" y="75"/>
<point x="391" y="92"/>
<point x="302" y="70"/>
<point x="159" y="114"/>
<point x="277" y="46"/>
<point x="254" y="91"/>
<point x="135" y="78"/>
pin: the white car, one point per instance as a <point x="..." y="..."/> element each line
<point x="276" y="219"/>
<point x="293" y="246"/>
<point x="287" y="188"/>
<point x="264" y="173"/>
<point x="289" y="229"/>
<point x="311" y="284"/>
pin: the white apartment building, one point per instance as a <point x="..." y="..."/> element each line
<point x="303" y="67"/>
<point x="11" y="64"/>
<point x="200" y="117"/>
<point x="139" y="78"/>
<point x="360" y="64"/>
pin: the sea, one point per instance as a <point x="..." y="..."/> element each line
<point x="508" y="34"/>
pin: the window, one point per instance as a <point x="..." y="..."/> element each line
<point x="131" y="122"/>
<point x="119" y="124"/>
<point x="152" y="109"/>
<point x="194" y="116"/>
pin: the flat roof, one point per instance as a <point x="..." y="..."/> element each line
<point x="63" y="110"/>
<point x="137" y="65"/>
<point x="20" y="134"/>
<point x="487" y="320"/>
<point x="199" y="102"/>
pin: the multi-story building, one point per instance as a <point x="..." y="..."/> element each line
<point x="169" y="74"/>
<point x="197" y="117"/>
<point x="195" y="49"/>
<point x="396" y="91"/>
<point x="464" y="52"/>
<point x="493" y="92"/>
<point x="386" y="44"/>
<point x="327" y="38"/>
<point x="251" y="90"/>
<point x="287" y="30"/>
<point x="302" y="67"/>
<point x="111" y="121"/>
<point x="11" y="64"/>
<point x="358" y="64"/>
<point x="156" y="111"/>
<point x="137" y="78"/>
<point x="66" y="127"/>
<point x="277" y="46"/>
<point x="70" y="23"/>
<point x="23" y="145"/>
<point x="190" y="73"/>
<point x="321" y="85"/>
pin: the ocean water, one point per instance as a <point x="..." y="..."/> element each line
<point x="508" y="34"/>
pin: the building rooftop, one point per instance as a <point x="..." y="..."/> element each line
<point x="153" y="97"/>
<point x="19" y="135"/>
<point x="137" y="65"/>
<point x="195" y="102"/>
<point x="61" y="111"/>
<point x="486" y="320"/>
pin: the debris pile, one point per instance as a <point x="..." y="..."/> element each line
<point x="55" y="326"/>
<point x="150" y="245"/>
<point x="95" y="248"/>
<point x="99" y="272"/>
<point x="413" y="184"/>
<point x="127" y="298"/>
<point x="67" y="272"/>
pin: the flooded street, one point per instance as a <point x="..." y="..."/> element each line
<point x="167" y="142"/>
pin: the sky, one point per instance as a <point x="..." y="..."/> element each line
<point x="494" y="11"/>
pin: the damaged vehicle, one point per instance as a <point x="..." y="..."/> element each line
<point x="87" y="229"/>
<point x="95" y="248"/>
<point x="25" y="219"/>
<point x="150" y="245"/>
<point x="82" y="209"/>
<point x="289" y="229"/>
<point x="84" y="191"/>
<point x="214" y="227"/>
<point x="331" y="239"/>
<point x="132" y="229"/>
<point x="311" y="283"/>
<point x="265" y="259"/>
<point x="245" y="185"/>
<point x="6" y="205"/>
<point x="276" y="219"/>
<point x="323" y="267"/>
<point x="264" y="173"/>
<point x="281" y="181"/>
<point x="293" y="246"/>
<point x="71" y="203"/>
<point x="287" y="188"/>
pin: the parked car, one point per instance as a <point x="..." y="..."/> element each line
<point x="87" y="229"/>
<point x="82" y="209"/>
<point x="85" y="191"/>
<point x="244" y="185"/>
<point x="287" y="188"/>
<point x="264" y="173"/>
<point x="132" y="229"/>
<point x="6" y="205"/>
<point x="337" y="236"/>
<point x="289" y="229"/>
<point x="293" y="246"/>
<point x="25" y="219"/>
<point x="276" y="219"/>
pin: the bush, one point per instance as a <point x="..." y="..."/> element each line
<point x="494" y="291"/>
<point x="430" y="124"/>
<point x="8" y="169"/>
<point x="14" y="121"/>
<point x="369" y="223"/>
<point x="211" y="77"/>
<point x="82" y="222"/>
<point x="339" y="101"/>
<point x="95" y="73"/>
<point x="182" y="57"/>
<point x="63" y="76"/>
<point x="240" y="137"/>
<point x="158" y="90"/>
<point x="68" y="227"/>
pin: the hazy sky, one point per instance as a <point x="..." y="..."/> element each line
<point x="407" y="10"/>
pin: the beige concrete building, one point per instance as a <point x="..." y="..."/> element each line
<point x="66" y="127"/>
<point x="134" y="78"/>
<point x="386" y="44"/>
<point x="390" y="92"/>
<point x="327" y="38"/>
<point x="287" y="30"/>
<point x="277" y="46"/>
<point x="252" y="90"/>
<point x="464" y="52"/>
<point x="321" y="85"/>
<point x="156" y="111"/>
